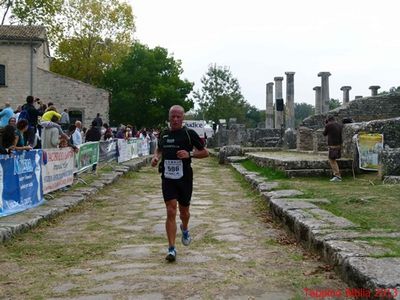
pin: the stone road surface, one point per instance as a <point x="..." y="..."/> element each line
<point x="114" y="246"/>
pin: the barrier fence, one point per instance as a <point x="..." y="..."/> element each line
<point x="26" y="176"/>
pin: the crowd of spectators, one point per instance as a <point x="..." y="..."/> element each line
<point x="36" y="125"/>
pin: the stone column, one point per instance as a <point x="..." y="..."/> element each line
<point x="290" y="99"/>
<point x="324" y="90"/>
<point x="269" y="112"/>
<point x="346" y="94"/>
<point x="318" y="100"/>
<point x="374" y="89"/>
<point x="278" y="95"/>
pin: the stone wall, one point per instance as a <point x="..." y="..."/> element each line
<point x="73" y="94"/>
<point x="239" y="135"/>
<point x="390" y="162"/>
<point x="17" y="61"/>
<point x="390" y="128"/>
<point x="360" y="110"/>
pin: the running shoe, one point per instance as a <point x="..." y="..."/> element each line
<point x="171" y="256"/>
<point x="336" y="179"/>
<point x="186" y="238"/>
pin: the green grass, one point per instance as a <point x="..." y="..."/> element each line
<point x="364" y="200"/>
<point x="392" y="244"/>
<point x="265" y="172"/>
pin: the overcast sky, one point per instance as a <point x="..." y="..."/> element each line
<point x="358" y="41"/>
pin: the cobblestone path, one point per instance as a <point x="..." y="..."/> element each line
<point x="114" y="247"/>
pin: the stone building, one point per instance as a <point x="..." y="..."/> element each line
<point x="24" y="70"/>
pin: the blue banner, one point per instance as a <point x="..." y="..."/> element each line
<point x="20" y="181"/>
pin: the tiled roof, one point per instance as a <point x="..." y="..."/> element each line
<point x="22" y="33"/>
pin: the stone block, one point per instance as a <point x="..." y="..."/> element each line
<point x="282" y="194"/>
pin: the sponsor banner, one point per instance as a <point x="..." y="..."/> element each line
<point x="144" y="147"/>
<point x="369" y="145"/>
<point x="58" y="169"/>
<point x="127" y="149"/>
<point x="87" y="156"/>
<point x="20" y="181"/>
<point x="108" y="151"/>
<point x="197" y="126"/>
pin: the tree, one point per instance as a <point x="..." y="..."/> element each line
<point x="254" y="116"/>
<point x="220" y="96"/>
<point x="334" y="103"/>
<point x="302" y="111"/>
<point x="98" y="34"/>
<point x="145" y="85"/>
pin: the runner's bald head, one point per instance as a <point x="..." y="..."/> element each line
<point x="176" y="108"/>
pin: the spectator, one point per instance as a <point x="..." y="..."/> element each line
<point x="77" y="135"/>
<point x="65" y="119"/>
<point x="17" y="112"/>
<point x="333" y="130"/>
<point x="98" y="121"/>
<point x="50" y="112"/>
<point x="50" y="135"/>
<point x="20" y="143"/>
<point x="108" y="134"/>
<point x="5" y="115"/>
<point x="30" y="113"/>
<point x="8" y="139"/>
<point x="13" y="122"/>
<point x="121" y="132"/>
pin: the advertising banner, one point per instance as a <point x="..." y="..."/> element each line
<point x="127" y="149"/>
<point x="197" y="126"/>
<point x="20" y="181"/>
<point x="58" y="169"/>
<point x="369" y="145"/>
<point x="108" y="151"/>
<point x="144" y="147"/>
<point x="87" y="156"/>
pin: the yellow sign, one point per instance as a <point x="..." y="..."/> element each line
<point x="369" y="146"/>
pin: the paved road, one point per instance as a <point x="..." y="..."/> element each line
<point x="114" y="247"/>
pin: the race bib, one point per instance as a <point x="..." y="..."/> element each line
<point x="173" y="169"/>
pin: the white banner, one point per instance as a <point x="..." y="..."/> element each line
<point x="197" y="126"/>
<point x="127" y="149"/>
<point x="58" y="171"/>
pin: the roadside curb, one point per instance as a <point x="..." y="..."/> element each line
<point x="13" y="225"/>
<point x="335" y="238"/>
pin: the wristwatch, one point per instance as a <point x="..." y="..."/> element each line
<point x="190" y="154"/>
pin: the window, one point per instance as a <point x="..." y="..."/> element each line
<point x="2" y="75"/>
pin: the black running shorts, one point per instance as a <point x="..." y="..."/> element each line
<point x="180" y="189"/>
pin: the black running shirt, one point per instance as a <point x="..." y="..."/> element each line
<point x="171" y="142"/>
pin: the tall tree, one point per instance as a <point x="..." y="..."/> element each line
<point x="334" y="103"/>
<point x="97" y="35"/>
<point x="220" y="96"/>
<point x="302" y="111"/>
<point x="145" y="85"/>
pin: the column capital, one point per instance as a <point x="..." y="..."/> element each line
<point x="345" y="88"/>
<point x="278" y="78"/>
<point x="374" y="87"/>
<point x="270" y="84"/>
<point x="290" y="73"/>
<point x="324" y="74"/>
<point x="316" y="88"/>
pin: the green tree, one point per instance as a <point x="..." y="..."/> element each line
<point x="220" y="96"/>
<point x="334" y="103"/>
<point x="98" y="34"/>
<point x="302" y="111"/>
<point x="392" y="90"/>
<point x="254" y="116"/>
<point x="145" y="85"/>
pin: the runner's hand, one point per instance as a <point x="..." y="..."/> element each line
<point x="154" y="161"/>
<point x="182" y="154"/>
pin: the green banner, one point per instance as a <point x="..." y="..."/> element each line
<point x="87" y="156"/>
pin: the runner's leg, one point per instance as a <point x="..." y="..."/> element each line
<point x="170" y="223"/>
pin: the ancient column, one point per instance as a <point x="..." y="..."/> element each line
<point x="324" y="90"/>
<point x="290" y="99"/>
<point x="374" y="89"/>
<point x="346" y="93"/>
<point x="269" y="112"/>
<point x="278" y="95"/>
<point x="318" y="101"/>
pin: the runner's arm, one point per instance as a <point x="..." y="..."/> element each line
<point x="156" y="157"/>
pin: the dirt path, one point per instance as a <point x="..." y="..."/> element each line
<point x="114" y="247"/>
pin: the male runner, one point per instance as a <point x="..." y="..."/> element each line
<point x="175" y="147"/>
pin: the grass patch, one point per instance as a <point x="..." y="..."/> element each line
<point x="364" y="200"/>
<point x="392" y="244"/>
<point x="269" y="173"/>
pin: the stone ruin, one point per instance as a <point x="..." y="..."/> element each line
<point x="373" y="114"/>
